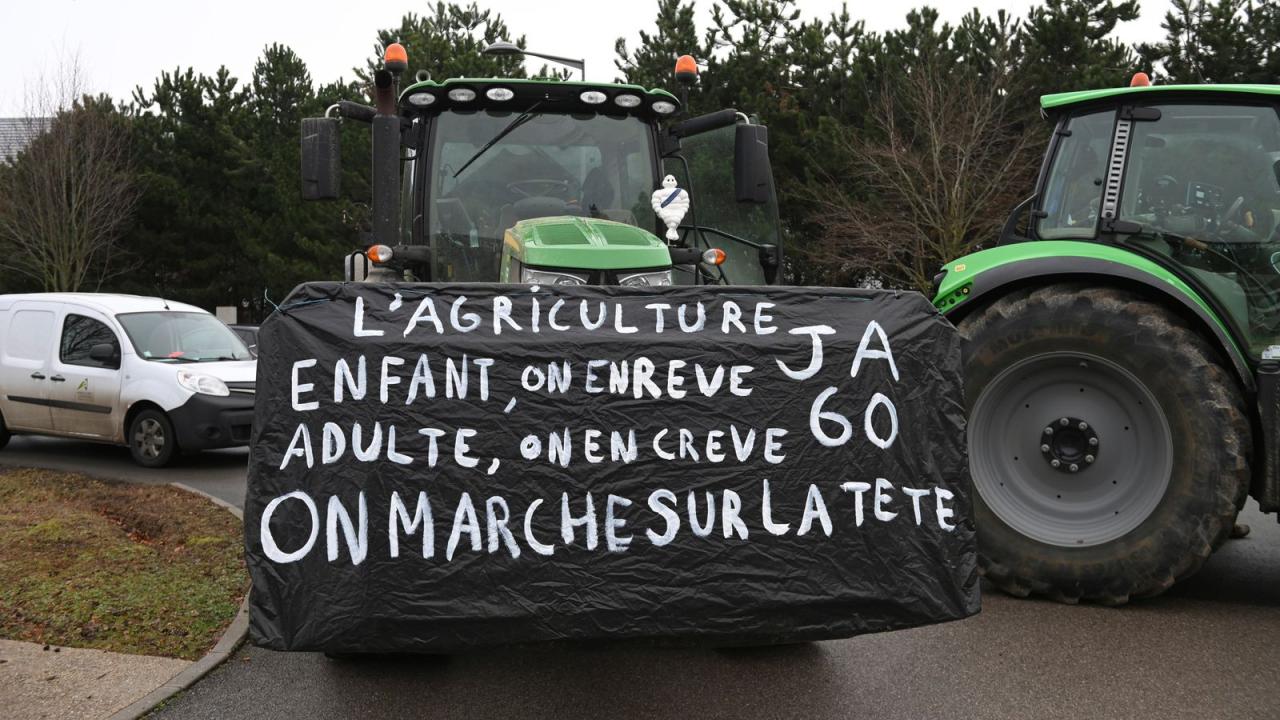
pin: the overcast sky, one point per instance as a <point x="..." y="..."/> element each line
<point x="124" y="43"/>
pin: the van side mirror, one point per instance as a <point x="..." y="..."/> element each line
<point x="104" y="353"/>
<point x="752" y="174"/>
<point x="321" y="158"/>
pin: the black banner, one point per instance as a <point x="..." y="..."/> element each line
<point x="442" y="466"/>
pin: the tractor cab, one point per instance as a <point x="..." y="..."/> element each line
<point x="1187" y="176"/>
<point x="558" y="182"/>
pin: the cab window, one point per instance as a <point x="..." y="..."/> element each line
<point x="1074" y="189"/>
<point x="722" y="222"/>
<point x="548" y="164"/>
<point x="79" y="335"/>
<point x="1203" y="181"/>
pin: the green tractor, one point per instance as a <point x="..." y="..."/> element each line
<point x="1122" y="342"/>
<point x="553" y="182"/>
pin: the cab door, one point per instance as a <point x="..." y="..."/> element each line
<point x="25" y="366"/>
<point x="84" y="390"/>
<point x="747" y="232"/>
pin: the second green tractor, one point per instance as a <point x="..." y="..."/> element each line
<point x="1122" y="343"/>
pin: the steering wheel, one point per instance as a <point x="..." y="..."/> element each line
<point x="553" y="188"/>
<point x="1230" y="214"/>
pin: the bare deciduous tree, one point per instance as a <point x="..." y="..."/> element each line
<point x="66" y="198"/>
<point x="943" y="160"/>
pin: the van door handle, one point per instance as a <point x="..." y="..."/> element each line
<point x="37" y="376"/>
<point x="58" y="378"/>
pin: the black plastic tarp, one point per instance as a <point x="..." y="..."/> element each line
<point x="436" y="467"/>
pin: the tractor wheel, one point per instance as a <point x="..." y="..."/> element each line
<point x="1109" y="447"/>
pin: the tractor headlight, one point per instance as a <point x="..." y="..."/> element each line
<point x="202" y="384"/>
<point x="647" y="279"/>
<point x="421" y="99"/>
<point x="548" y="277"/>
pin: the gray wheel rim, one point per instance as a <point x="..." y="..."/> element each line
<point x="1105" y="498"/>
<point x="149" y="439"/>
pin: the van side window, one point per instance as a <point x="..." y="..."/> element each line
<point x="79" y="335"/>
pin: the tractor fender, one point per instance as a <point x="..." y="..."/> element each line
<point x="969" y="286"/>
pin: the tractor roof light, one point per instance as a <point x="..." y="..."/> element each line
<point x="663" y="107"/>
<point x="462" y="95"/>
<point x="395" y="59"/>
<point x="627" y="100"/>
<point x="421" y="99"/>
<point x="500" y="94"/>
<point x="379" y="254"/>
<point x="1140" y="79"/>
<point x="686" y="70"/>
<point x="593" y="97"/>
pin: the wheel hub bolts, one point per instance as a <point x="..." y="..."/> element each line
<point x="1069" y="445"/>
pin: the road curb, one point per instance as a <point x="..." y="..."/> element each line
<point x="231" y="639"/>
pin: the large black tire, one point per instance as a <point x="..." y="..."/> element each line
<point x="152" y="441"/>
<point x="4" y="433"/>
<point x="1167" y="448"/>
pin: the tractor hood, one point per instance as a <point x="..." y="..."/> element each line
<point x="584" y="243"/>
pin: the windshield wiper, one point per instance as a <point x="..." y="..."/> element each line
<point x="521" y="119"/>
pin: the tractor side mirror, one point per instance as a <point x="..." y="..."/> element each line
<point x="752" y="174"/>
<point x="321" y="158"/>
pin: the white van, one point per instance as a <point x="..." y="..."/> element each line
<point x="155" y="375"/>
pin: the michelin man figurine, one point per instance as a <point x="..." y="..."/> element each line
<point x="671" y="203"/>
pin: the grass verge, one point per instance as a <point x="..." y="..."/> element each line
<point x="146" y="569"/>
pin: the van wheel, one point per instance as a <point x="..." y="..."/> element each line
<point x="152" y="441"/>
<point x="4" y="433"/>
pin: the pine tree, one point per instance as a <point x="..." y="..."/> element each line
<point x="447" y="43"/>
<point x="1071" y="45"/>
<point x="1223" y="42"/>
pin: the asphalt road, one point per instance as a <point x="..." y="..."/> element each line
<point x="220" y="473"/>
<point x="1208" y="649"/>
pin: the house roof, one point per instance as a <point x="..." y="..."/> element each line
<point x="16" y="134"/>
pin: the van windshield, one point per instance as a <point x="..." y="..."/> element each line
<point x="178" y="337"/>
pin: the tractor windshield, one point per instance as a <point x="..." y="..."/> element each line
<point x="548" y="164"/>
<point x="1204" y="183"/>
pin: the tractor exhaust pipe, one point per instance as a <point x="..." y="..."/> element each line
<point x="386" y="161"/>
